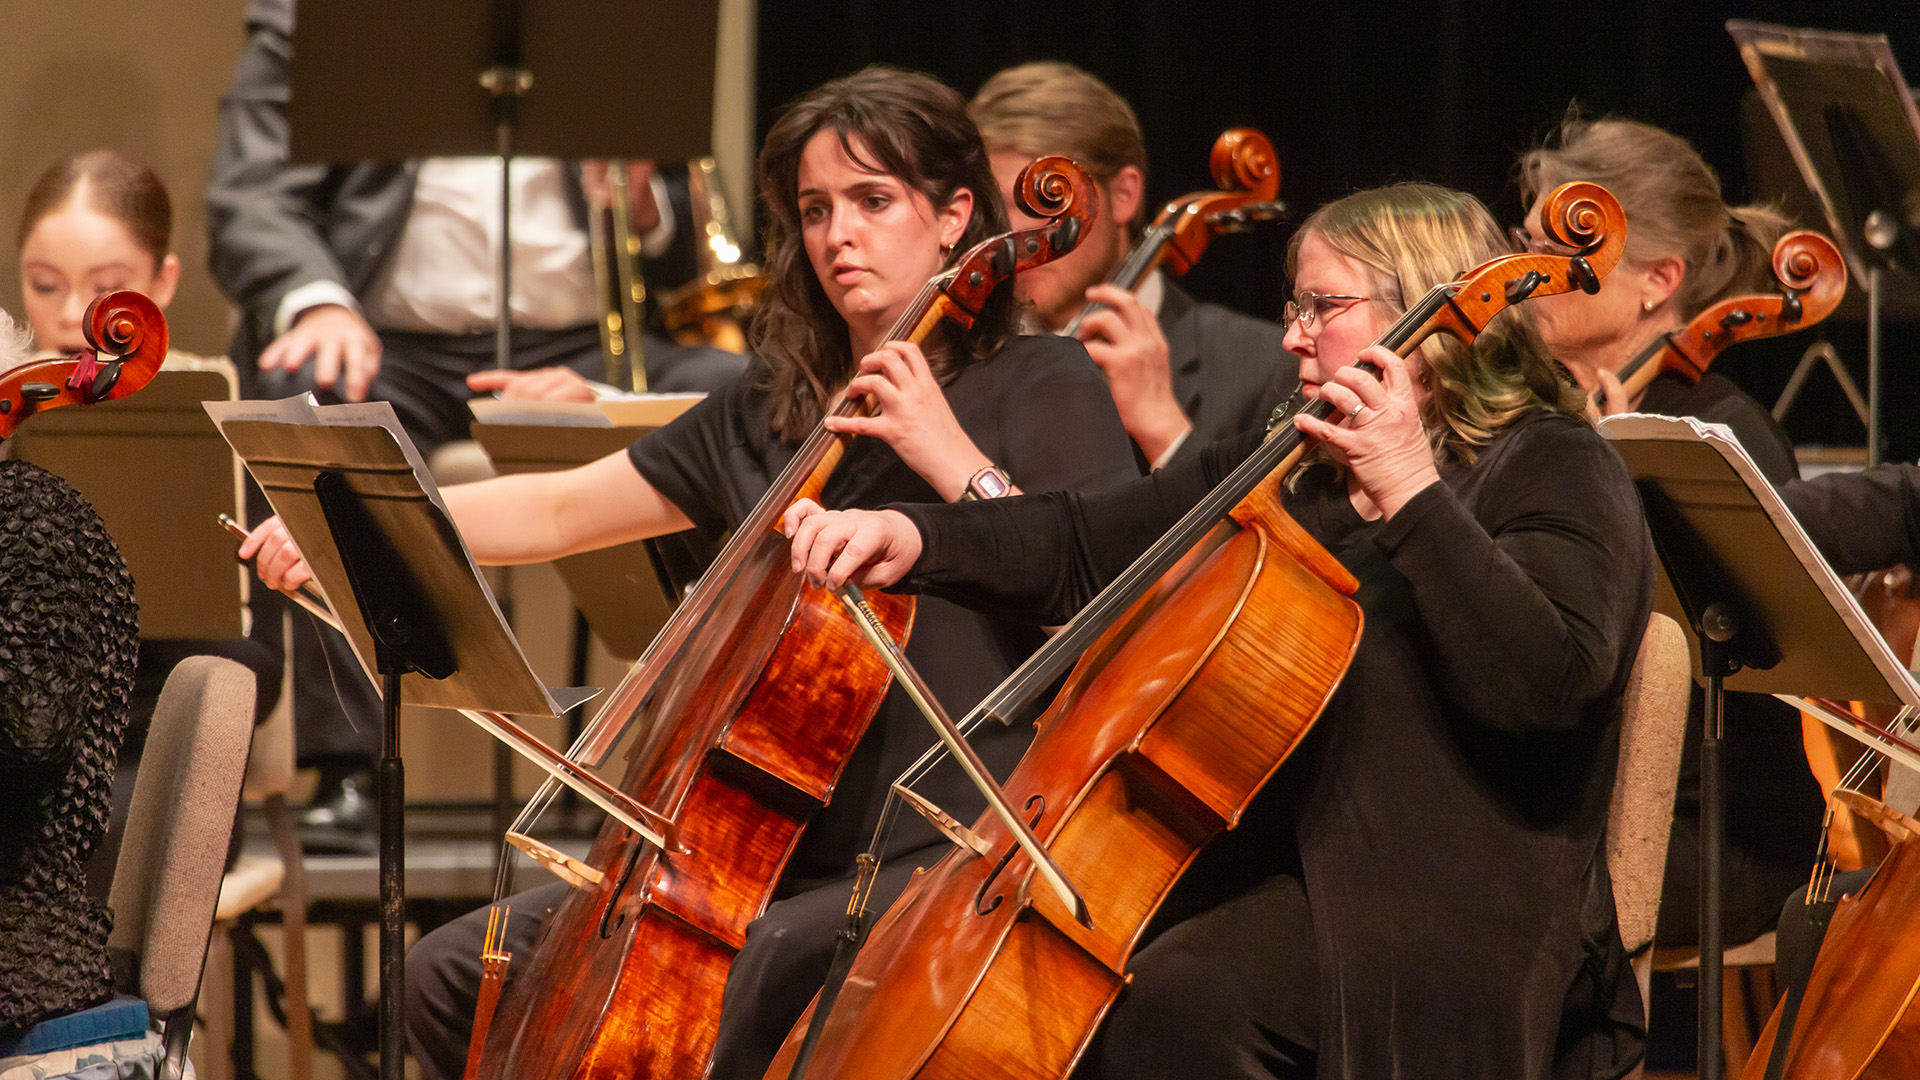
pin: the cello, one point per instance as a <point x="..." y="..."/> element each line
<point x="748" y="702"/>
<point x="123" y="325"/>
<point x="1856" y="1020"/>
<point x="1248" y="174"/>
<point x="1812" y="279"/>
<point x="1167" y="727"/>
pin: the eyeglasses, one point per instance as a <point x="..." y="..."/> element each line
<point x="1524" y="240"/>
<point x="1311" y="306"/>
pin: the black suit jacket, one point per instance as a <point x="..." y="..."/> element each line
<point x="1229" y="370"/>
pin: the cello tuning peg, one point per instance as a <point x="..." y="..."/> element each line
<point x="1580" y="272"/>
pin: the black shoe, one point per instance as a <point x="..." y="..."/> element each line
<point x="344" y="816"/>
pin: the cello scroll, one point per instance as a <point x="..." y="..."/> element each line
<point x="1052" y="187"/>
<point x="1812" y="277"/>
<point x="122" y="324"/>
<point x="1248" y="174"/>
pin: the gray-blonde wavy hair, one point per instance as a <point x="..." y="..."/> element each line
<point x="1411" y="237"/>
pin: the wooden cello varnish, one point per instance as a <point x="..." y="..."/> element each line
<point x="1857" y="1020"/>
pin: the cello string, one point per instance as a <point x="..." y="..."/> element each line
<point x="1052" y="658"/>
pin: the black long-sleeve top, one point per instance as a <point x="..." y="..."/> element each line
<point x="1446" y="813"/>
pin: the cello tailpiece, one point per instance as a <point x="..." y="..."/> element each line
<point x="493" y="975"/>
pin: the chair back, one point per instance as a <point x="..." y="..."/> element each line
<point x="1652" y="733"/>
<point x="179" y="823"/>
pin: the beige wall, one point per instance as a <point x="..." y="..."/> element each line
<point x="141" y="76"/>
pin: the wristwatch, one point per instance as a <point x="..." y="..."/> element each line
<point x="989" y="483"/>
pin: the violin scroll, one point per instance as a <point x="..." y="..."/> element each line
<point x="123" y="325"/>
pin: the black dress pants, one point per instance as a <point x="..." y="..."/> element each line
<point x="780" y="967"/>
<point x="1230" y="993"/>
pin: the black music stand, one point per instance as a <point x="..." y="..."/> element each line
<point x="1764" y="613"/>
<point x="356" y="497"/>
<point x="571" y="79"/>
<point x="1850" y="122"/>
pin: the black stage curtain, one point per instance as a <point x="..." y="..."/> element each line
<point x="1356" y="93"/>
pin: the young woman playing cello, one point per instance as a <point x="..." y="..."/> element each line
<point x="1421" y="890"/>
<point x="870" y="181"/>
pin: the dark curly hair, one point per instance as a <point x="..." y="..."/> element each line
<point x="69" y="638"/>
<point x="914" y="128"/>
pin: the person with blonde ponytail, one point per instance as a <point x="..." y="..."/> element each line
<point x="1686" y="250"/>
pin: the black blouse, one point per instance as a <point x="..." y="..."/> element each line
<point x="1040" y="410"/>
<point x="1447" y="812"/>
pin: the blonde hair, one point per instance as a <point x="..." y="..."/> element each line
<point x="1411" y="237"/>
<point x="1673" y="204"/>
<point x="1048" y="107"/>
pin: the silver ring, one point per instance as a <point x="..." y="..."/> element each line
<point x="1355" y="412"/>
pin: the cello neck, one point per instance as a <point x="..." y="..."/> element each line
<point x="1132" y="270"/>
<point x="1282" y="448"/>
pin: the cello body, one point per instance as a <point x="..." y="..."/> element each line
<point x="1162" y="735"/>
<point x="1215" y="653"/>
<point x="642" y="957"/>
<point x="1857" y="1020"/>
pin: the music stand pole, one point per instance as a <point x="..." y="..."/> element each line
<point x="407" y="637"/>
<point x="1873" y="365"/>
<point x="1717" y="626"/>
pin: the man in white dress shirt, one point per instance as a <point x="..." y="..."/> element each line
<point x="379" y="281"/>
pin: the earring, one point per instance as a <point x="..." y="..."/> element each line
<point x="1647" y="306"/>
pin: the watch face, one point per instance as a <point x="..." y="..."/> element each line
<point x="992" y="483"/>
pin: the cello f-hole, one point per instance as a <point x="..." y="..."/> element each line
<point x="608" y="924"/>
<point x="980" y="904"/>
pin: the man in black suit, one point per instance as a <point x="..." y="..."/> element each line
<point x="377" y="280"/>
<point x="1183" y="373"/>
